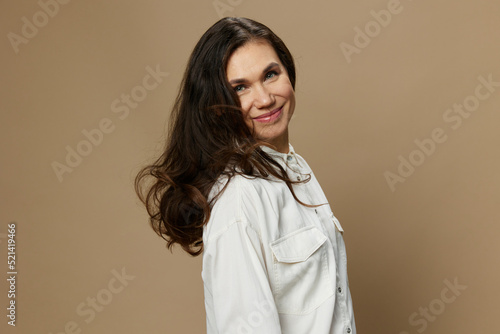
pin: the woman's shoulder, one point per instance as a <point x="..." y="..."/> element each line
<point x="243" y="200"/>
<point x="244" y="185"/>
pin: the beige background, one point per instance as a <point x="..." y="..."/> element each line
<point x="353" y="120"/>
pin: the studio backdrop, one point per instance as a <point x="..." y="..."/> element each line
<point x="397" y="114"/>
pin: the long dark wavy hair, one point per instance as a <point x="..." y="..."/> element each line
<point x="207" y="138"/>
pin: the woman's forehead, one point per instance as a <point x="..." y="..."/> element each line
<point x="251" y="57"/>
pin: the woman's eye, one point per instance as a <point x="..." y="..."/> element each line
<point x="271" y="74"/>
<point x="239" y="88"/>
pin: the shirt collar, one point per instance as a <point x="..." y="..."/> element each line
<point x="288" y="158"/>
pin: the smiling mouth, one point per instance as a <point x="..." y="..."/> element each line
<point x="269" y="113"/>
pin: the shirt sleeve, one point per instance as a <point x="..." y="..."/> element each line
<point x="237" y="279"/>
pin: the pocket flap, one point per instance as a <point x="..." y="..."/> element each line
<point x="298" y="245"/>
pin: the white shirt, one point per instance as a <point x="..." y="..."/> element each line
<point x="272" y="265"/>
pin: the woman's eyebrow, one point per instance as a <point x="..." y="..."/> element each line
<point x="268" y="67"/>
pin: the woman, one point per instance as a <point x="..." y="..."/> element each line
<point x="230" y="185"/>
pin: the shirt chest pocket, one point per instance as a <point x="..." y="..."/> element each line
<point x="300" y="278"/>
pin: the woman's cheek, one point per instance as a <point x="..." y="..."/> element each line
<point x="245" y="108"/>
<point x="287" y="91"/>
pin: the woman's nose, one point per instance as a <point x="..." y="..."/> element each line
<point x="263" y="97"/>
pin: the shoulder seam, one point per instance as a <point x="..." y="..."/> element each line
<point x="220" y="232"/>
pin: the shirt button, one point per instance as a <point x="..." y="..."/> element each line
<point x="298" y="178"/>
<point x="289" y="158"/>
<point x="339" y="289"/>
<point x="348" y="330"/>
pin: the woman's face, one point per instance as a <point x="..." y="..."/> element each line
<point x="265" y="92"/>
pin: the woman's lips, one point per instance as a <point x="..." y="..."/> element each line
<point x="269" y="117"/>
